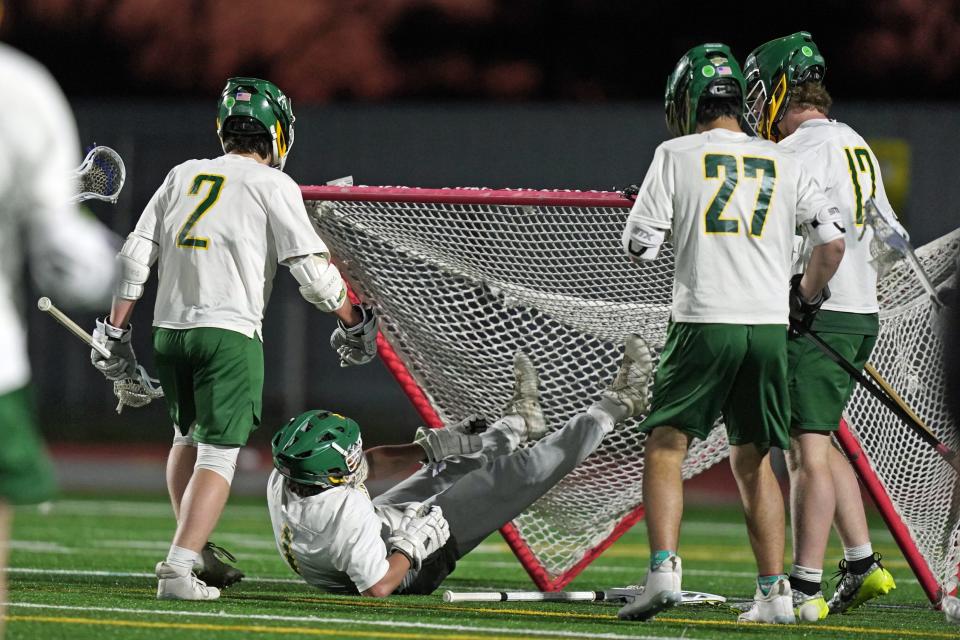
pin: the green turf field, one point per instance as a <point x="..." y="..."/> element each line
<point x="85" y="570"/>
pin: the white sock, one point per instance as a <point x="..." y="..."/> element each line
<point x="599" y="413"/>
<point x="806" y="573"/>
<point x="851" y="554"/>
<point x="182" y="559"/>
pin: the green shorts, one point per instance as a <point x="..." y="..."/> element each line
<point x="819" y="388"/>
<point x="213" y="381"/>
<point x="26" y="473"/>
<point x="739" y="371"/>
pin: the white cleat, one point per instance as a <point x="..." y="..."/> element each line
<point x="175" y="585"/>
<point x="525" y="401"/>
<point x="951" y="609"/>
<point x="629" y="388"/>
<point x="661" y="591"/>
<point x="774" y="608"/>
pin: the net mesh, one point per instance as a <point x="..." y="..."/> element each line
<point x="460" y="287"/>
<point x="921" y="485"/>
<point x="100" y="176"/>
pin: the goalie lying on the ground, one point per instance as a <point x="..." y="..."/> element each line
<point x="408" y="539"/>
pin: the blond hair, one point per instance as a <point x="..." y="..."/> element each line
<point x="810" y="95"/>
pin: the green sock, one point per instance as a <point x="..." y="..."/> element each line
<point x="657" y="558"/>
<point x="766" y="582"/>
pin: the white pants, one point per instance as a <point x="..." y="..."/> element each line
<point x="482" y="492"/>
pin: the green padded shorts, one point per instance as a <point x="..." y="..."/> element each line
<point x="819" y="388"/>
<point x="213" y="380"/>
<point x="26" y="473"/>
<point x="739" y="371"/>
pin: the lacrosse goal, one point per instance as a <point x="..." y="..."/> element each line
<point x="462" y="278"/>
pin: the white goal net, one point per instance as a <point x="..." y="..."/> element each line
<point x="462" y="278"/>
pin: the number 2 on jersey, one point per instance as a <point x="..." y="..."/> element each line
<point x="764" y="170"/>
<point x="184" y="239"/>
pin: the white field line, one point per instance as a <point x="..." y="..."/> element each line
<point x="494" y="565"/>
<point x="127" y="574"/>
<point x="519" y="632"/>
<point x="162" y="510"/>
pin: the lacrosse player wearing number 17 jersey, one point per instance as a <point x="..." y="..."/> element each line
<point x="218" y="228"/>
<point x="787" y="102"/>
<point x="407" y="540"/>
<point x="731" y="202"/>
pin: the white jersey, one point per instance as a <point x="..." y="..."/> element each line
<point x="71" y="254"/>
<point x="732" y="203"/>
<point x="849" y="174"/>
<point x="222" y="225"/>
<point x="335" y="540"/>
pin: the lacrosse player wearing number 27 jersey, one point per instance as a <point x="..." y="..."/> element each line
<point x="219" y="228"/>
<point x="407" y="540"/>
<point x="731" y="203"/>
<point x="787" y="102"/>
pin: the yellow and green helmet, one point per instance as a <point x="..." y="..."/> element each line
<point x="245" y="102"/>
<point x="320" y="448"/>
<point x="705" y="71"/>
<point x="772" y="69"/>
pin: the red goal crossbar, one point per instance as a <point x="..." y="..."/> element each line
<point x="544" y="580"/>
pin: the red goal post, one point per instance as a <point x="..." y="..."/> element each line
<point x="543" y="270"/>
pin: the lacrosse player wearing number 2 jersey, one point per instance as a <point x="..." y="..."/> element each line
<point x="218" y="228"/>
<point x="787" y="102"/>
<point x="407" y="540"/>
<point x="731" y="202"/>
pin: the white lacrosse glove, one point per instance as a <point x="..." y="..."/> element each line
<point x="423" y="530"/>
<point x="356" y="344"/>
<point x="122" y="363"/>
<point x="440" y="444"/>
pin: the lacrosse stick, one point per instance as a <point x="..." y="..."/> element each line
<point x="136" y="391"/>
<point x="888" y="235"/>
<point x="619" y="595"/>
<point x="893" y="401"/>
<point x="99" y="177"/>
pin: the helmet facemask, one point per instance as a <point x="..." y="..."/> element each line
<point x="356" y="465"/>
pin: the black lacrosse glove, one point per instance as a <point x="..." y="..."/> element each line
<point x="802" y="311"/>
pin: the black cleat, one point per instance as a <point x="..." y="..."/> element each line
<point x="215" y="571"/>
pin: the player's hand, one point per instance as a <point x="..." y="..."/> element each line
<point x="356" y="344"/>
<point x="122" y="363"/>
<point x="471" y="425"/>
<point x="423" y="530"/>
<point x="440" y="444"/>
<point x="803" y="311"/>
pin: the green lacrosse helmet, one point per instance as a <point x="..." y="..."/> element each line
<point x="706" y="71"/>
<point x="772" y="69"/>
<point x="247" y="104"/>
<point x="320" y="448"/>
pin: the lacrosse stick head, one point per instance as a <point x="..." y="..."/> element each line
<point x="137" y="391"/>
<point x="886" y="245"/>
<point x="100" y="176"/>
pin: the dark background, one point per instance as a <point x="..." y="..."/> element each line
<point x="541" y="94"/>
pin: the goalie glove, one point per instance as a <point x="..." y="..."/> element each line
<point x="356" y="344"/>
<point x="803" y="311"/>
<point x="423" y="530"/>
<point x="122" y="363"/>
<point x="440" y="444"/>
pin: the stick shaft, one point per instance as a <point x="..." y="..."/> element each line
<point x="44" y="304"/>
<point x="899" y="409"/>
<point x="523" y="596"/>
